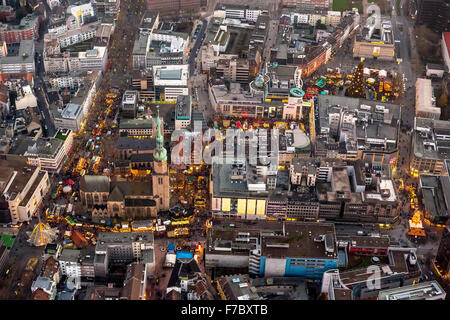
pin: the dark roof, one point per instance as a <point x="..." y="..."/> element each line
<point x="142" y="157"/>
<point x="435" y="66"/>
<point x="94" y="184"/>
<point x="136" y="144"/>
<point x="182" y="268"/>
<point x="140" y="203"/>
<point x="121" y="189"/>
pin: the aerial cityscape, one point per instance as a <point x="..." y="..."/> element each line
<point x="224" y="150"/>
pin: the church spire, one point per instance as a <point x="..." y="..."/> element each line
<point x="160" y="154"/>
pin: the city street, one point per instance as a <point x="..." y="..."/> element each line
<point x="19" y="255"/>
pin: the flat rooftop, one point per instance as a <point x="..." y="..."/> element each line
<point x="436" y="195"/>
<point x="183" y="108"/>
<point x="114" y="238"/>
<point x="398" y="263"/>
<point x="171" y="75"/>
<point x="429" y="290"/>
<point x="135" y="124"/>
<point x="297" y="241"/>
<point x="23" y="54"/>
<point x="33" y="188"/>
<point x="20" y="180"/>
<point x="341" y="180"/>
<point x="71" y="111"/>
<point x="431" y="139"/>
<point x="424" y="97"/>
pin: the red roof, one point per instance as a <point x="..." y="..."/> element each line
<point x="447" y="41"/>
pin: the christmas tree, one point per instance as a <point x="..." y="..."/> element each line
<point x="356" y="89"/>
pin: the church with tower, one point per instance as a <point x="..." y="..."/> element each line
<point x="139" y="188"/>
<point x="160" y="173"/>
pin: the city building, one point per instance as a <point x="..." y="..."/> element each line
<point x="234" y="101"/>
<point x="430" y="290"/>
<point x="135" y="284"/>
<point x="221" y="40"/>
<point x="50" y="269"/>
<point x="47" y="153"/>
<point x="27" y="29"/>
<point x="66" y="38"/>
<point x="319" y="4"/>
<point x="129" y="104"/>
<point x="351" y="129"/>
<point x="69" y="81"/>
<point x="137" y="127"/>
<point x="69" y="263"/>
<point x="89" y="60"/>
<point x="271" y="249"/>
<point x="402" y="270"/>
<point x="127" y="146"/>
<point x="7" y="14"/>
<point x="23" y="190"/>
<point x="120" y="248"/>
<point x="359" y="193"/>
<point x="128" y="198"/>
<point x="5" y="102"/>
<point x="149" y="22"/>
<point x="236" y="287"/>
<point x="18" y="63"/>
<point x="107" y="7"/>
<point x="445" y="48"/>
<point x="429" y="148"/>
<point x="70" y="118"/>
<point x="436" y="70"/>
<point x="281" y="80"/>
<point x="142" y="81"/>
<point x="175" y="7"/>
<point x="240" y="12"/>
<point x="434" y="14"/>
<point x="81" y="12"/>
<point x="170" y="81"/>
<point x="210" y="59"/>
<point x="25" y="98"/>
<point x="233" y="70"/>
<point x="376" y="41"/>
<point x="425" y="100"/>
<point x="159" y="47"/>
<point x="441" y="262"/>
<point x="124" y="199"/>
<point x="435" y="192"/>
<point x="241" y="189"/>
<point x="45" y="284"/>
<point x="187" y="282"/>
<point x="183" y="112"/>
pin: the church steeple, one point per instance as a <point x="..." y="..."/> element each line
<point x="160" y="154"/>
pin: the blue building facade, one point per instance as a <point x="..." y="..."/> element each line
<point x="308" y="268"/>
